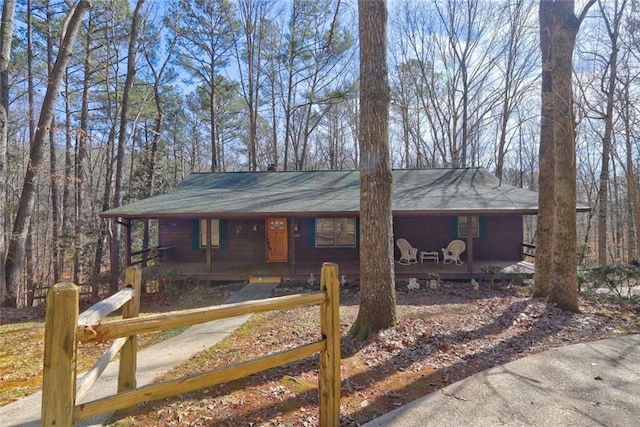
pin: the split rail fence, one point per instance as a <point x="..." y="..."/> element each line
<point x="65" y="328"/>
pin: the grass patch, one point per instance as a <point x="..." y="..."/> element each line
<point x="22" y="341"/>
<point x="297" y="385"/>
<point x="17" y="371"/>
<point x="170" y="333"/>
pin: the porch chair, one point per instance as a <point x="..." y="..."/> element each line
<point x="453" y="251"/>
<point x="408" y="254"/>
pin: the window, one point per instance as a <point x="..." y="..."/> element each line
<point x="215" y="233"/>
<point x="335" y="232"/>
<point x="463" y="226"/>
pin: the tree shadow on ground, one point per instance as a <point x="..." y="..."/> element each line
<point x="499" y="353"/>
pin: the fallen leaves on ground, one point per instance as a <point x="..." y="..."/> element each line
<point x="442" y="336"/>
<point x="22" y="336"/>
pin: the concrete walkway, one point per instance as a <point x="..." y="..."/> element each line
<point x="589" y="384"/>
<point x="152" y="361"/>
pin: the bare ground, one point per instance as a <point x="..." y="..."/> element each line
<point x="442" y="336"/>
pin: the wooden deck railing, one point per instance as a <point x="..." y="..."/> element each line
<point x="155" y="254"/>
<point x="528" y="252"/>
<point x="65" y="328"/>
<point x="40" y="293"/>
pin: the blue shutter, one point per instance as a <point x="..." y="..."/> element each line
<point x="222" y="229"/>
<point x="195" y="238"/>
<point x="357" y="232"/>
<point x="312" y="232"/>
<point x="482" y="223"/>
<point x="453" y="227"/>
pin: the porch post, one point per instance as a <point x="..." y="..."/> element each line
<point x="207" y="230"/>
<point x="470" y="234"/>
<point x="292" y="243"/>
<point x="127" y="244"/>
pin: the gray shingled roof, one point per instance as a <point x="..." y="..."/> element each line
<point x="231" y="194"/>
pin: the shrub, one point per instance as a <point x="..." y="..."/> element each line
<point x="620" y="279"/>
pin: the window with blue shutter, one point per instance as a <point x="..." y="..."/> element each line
<point x="453" y="227"/>
<point x="484" y="230"/>
<point x="218" y="229"/>
<point x="195" y="236"/>
<point x="222" y="228"/>
<point x="459" y="227"/>
<point x="312" y="232"/>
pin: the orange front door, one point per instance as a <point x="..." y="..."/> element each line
<point x="277" y="245"/>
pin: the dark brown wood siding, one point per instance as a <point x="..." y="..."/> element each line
<point x="504" y="239"/>
<point x="242" y="243"/>
<point x="502" y="242"/>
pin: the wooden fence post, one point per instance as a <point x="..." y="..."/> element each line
<point x="329" y="381"/>
<point x="60" y="354"/>
<point x="128" y="354"/>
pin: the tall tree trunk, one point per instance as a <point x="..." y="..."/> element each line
<point x="556" y="269"/>
<point x="377" y="275"/>
<point x="545" y="234"/>
<point x="15" y="254"/>
<point x="609" y="92"/>
<point x="6" y="36"/>
<point x="104" y="225"/>
<point x="54" y="181"/>
<point x="252" y="15"/>
<point x="30" y="282"/>
<point x="67" y="203"/>
<point x="80" y="155"/>
<point x="213" y="116"/>
<point x="631" y="174"/>
<point x="122" y="139"/>
<point x="153" y="152"/>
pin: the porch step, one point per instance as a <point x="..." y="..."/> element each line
<point x="265" y="279"/>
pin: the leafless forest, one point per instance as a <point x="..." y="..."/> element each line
<point x="115" y="101"/>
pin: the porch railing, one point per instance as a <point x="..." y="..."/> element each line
<point x="155" y="253"/>
<point x="528" y="252"/>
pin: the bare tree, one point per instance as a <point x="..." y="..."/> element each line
<point x="56" y="218"/>
<point x="377" y="275"/>
<point x="136" y="22"/>
<point x="6" y="36"/>
<point x="158" y="73"/>
<point x="446" y="55"/>
<point x="612" y="14"/>
<point x="556" y="254"/>
<point x="315" y="57"/>
<point x="204" y="30"/>
<point x="516" y="70"/>
<point x="629" y="163"/>
<point x="248" y="45"/>
<point x="15" y="254"/>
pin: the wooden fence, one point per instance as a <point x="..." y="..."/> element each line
<point x="65" y="328"/>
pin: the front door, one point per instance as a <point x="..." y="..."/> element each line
<point x="277" y="244"/>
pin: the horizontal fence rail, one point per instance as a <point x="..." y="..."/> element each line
<point x="176" y="319"/>
<point x="193" y="383"/>
<point x="65" y="328"/>
<point x="528" y="252"/>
